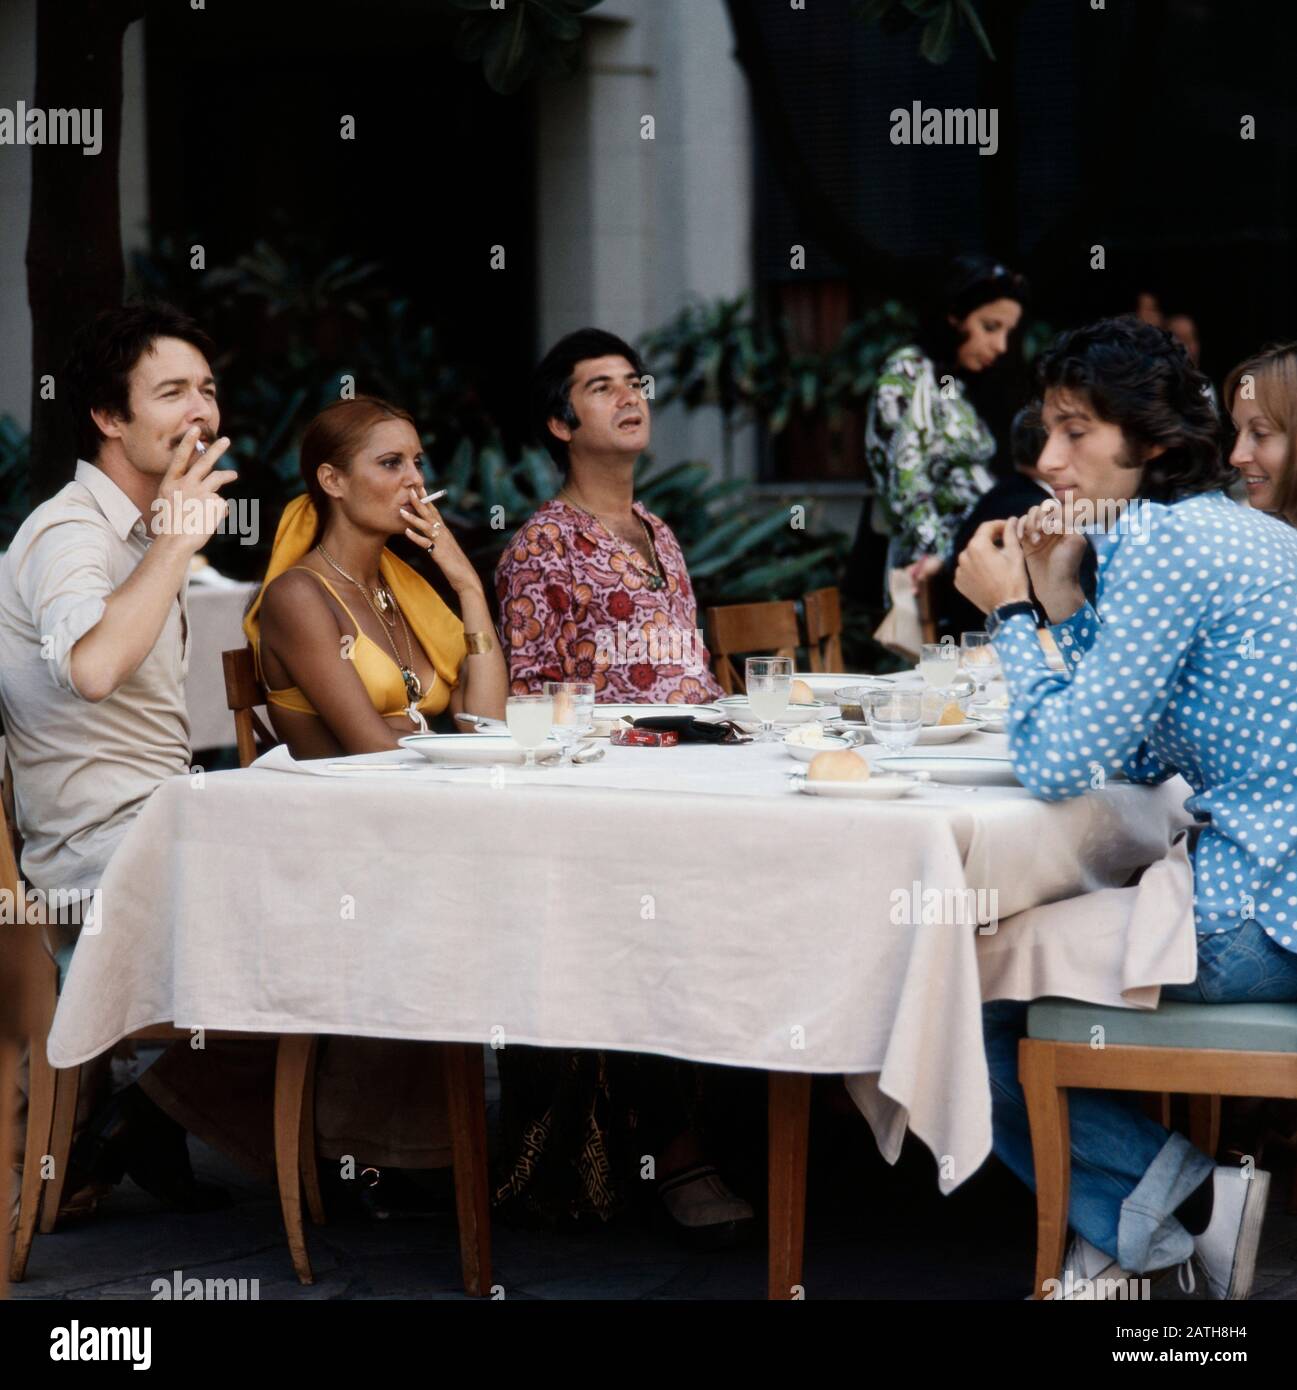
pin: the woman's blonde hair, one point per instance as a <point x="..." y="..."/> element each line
<point x="1269" y="378"/>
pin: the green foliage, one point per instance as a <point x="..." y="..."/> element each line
<point x="15" y="476"/>
<point x="529" y="38"/>
<point x="941" y="22"/>
<point x="738" y="551"/>
<point x="718" y="353"/>
<point x="524" y="39"/>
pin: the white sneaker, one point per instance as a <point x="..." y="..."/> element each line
<point x="1226" y="1250"/>
<point x="1088" y="1273"/>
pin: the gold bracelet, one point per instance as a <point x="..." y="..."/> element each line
<point x="478" y="643"/>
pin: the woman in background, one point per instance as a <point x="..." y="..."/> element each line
<point x="929" y="451"/>
<point x="1261" y="397"/>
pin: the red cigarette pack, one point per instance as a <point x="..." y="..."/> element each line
<point x="644" y="738"/>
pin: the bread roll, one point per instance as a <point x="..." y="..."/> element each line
<point x="801" y="694"/>
<point x="841" y="765"/>
<point x="952" y="714"/>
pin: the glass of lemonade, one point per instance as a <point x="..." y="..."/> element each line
<point x="938" y="663"/>
<point x="895" y="718"/>
<point x="769" y="682"/>
<point x="573" y="713"/>
<point x="529" y="718"/>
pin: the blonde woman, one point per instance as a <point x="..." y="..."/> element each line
<point x="1261" y="397"/>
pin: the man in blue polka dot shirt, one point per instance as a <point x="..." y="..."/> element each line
<point x="1188" y="666"/>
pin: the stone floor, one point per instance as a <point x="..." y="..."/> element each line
<point x="873" y="1232"/>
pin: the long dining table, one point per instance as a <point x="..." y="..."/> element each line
<point x="686" y="901"/>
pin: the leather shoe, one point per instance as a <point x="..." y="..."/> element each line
<point x="132" y="1136"/>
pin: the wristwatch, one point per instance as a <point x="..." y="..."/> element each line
<point x="1008" y="610"/>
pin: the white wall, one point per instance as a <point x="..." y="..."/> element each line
<point x="18" y="83"/>
<point x="629" y="228"/>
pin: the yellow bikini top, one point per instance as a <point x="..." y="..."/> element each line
<point x="378" y="672"/>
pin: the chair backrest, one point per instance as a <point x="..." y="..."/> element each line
<point x="749" y="629"/>
<point x="20" y="954"/>
<point x="927" y="611"/>
<point x="243" y="693"/>
<point x="823" y="609"/>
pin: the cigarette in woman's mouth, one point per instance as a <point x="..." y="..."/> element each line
<point x="433" y="496"/>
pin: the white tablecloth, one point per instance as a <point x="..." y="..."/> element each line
<point x="681" y="901"/>
<point x="216" y="623"/>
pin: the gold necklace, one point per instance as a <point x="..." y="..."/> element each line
<point x="382" y="596"/>
<point x="413" y="686"/>
<point x="656" y="580"/>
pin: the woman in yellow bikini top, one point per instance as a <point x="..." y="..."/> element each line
<point x="354" y="647"/>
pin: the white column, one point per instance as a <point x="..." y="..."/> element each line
<point x="630" y="229"/>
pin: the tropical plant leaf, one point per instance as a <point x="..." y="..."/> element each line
<point x="938" y="41"/>
<point x="969" y="11"/>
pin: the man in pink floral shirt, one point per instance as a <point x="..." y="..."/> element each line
<point x="593" y="587"/>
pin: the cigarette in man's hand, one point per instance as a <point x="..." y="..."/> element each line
<point x="433" y="496"/>
<point x="199" y="447"/>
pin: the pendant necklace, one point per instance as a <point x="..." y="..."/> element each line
<point x="413" y="686"/>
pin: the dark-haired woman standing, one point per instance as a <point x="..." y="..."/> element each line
<point x="928" y="449"/>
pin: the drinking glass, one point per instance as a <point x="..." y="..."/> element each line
<point x="977" y="658"/>
<point x="529" y="718"/>
<point x="895" y="718"/>
<point x="769" y="682"/>
<point x="938" y="662"/>
<point x="573" y="713"/>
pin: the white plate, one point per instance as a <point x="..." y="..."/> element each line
<point x="804" y="752"/>
<point x="875" y="789"/>
<point x="609" y="717"/>
<point x="737" y="707"/>
<point x="484" y="749"/>
<point x="982" y="772"/>
<point x="824" y="683"/>
<point x="932" y="734"/>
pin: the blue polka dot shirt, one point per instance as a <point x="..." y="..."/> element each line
<point x="1189" y="666"/>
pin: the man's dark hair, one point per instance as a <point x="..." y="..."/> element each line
<point x="1140" y="378"/>
<point x="551" y="386"/>
<point x="104" y="353"/>
<point x="1027" y="436"/>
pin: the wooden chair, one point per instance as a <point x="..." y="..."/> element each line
<point x="927" y="611"/>
<point x="1199" y="1050"/>
<point x="823" y="611"/>
<point x="462" y="1063"/>
<point x="749" y="629"/>
<point x="243" y="695"/>
<point x="52" y="1095"/>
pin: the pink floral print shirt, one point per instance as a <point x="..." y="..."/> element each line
<point x="575" y="604"/>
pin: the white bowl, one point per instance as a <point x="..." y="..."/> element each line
<point x="804" y="752"/>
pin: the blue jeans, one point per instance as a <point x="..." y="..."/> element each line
<point x="1128" y="1173"/>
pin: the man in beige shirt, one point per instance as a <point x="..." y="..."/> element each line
<point x="93" y="626"/>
